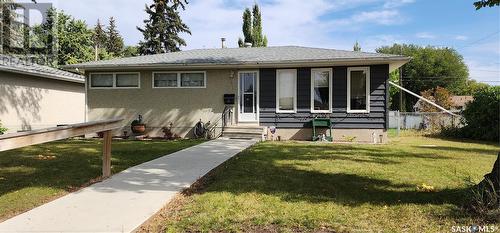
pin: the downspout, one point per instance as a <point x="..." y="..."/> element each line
<point x="422" y="98"/>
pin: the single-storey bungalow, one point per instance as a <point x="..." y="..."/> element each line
<point x="280" y="87"/>
<point x="34" y="96"/>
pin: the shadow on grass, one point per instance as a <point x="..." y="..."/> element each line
<point x="76" y="162"/>
<point x="261" y="170"/>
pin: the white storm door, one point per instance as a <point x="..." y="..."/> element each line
<point x="247" y="96"/>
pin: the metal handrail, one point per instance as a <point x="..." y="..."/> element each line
<point x="224" y="121"/>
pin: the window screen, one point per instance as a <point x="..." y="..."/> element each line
<point x="286" y="88"/>
<point x="358" y="97"/>
<point x="192" y="79"/>
<point x="165" y="80"/>
<point x="101" y="80"/>
<point x="127" y="80"/>
<point x="321" y="90"/>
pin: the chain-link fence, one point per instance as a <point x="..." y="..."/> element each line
<point x="423" y="120"/>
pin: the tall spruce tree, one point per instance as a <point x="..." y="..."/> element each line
<point x="247" y="27"/>
<point x="100" y="38"/>
<point x="162" y="28"/>
<point x="115" y="43"/>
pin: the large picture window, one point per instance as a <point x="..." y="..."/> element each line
<point x="358" y="90"/>
<point x="321" y="90"/>
<point x="286" y="91"/>
<point x="114" y="80"/>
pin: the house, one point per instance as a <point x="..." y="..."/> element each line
<point x="459" y="102"/>
<point x="34" y="96"/>
<point x="284" y="87"/>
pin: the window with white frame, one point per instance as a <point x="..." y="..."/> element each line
<point x="114" y="80"/>
<point x="101" y="80"/>
<point x="165" y="80"/>
<point x="127" y="80"/>
<point x="191" y="79"/>
<point x="286" y="91"/>
<point x="321" y="90"/>
<point x="358" y="90"/>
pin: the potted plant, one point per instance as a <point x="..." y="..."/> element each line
<point x="137" y="126"/>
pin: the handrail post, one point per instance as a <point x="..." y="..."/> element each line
<point x="106" y="154"/>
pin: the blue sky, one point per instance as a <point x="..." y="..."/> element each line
<point x="327" y="23"/>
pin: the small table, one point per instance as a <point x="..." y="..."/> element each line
<point x="321" y="123"/>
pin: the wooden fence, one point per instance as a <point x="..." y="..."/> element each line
<point x="18" y="140"/>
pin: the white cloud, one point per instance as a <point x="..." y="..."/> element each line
<point x="285" y="21"/>
<point x="397" y="3"/>
<point x="370" y="43"/>
<point x="425" y="35"/>
<point x="460" y="37"/>
<point x="487" y="72"/>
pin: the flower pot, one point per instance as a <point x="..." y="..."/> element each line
<point x="138" y="129"/>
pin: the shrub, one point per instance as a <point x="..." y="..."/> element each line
<point x="2" y="129"/>
<point x="482" y="115"/>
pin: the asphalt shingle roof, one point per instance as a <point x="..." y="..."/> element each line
<point x="17" y="65"/>
<point x="228" y="56"/>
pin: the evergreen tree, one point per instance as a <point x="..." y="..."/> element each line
<point x="12" y="31"/>
<point x="259" y="40"/>
<point x="100" y="38"/>
<point x="252" y="28"/>
<point x="247" y="27"/>
<point x="115" y="43"/>
<point x="357" y="47"/>
<point x="162" y="28"/>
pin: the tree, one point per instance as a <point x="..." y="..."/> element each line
<point x="71" y="38"/>
<point x="252" y="28"/>
<point x="115" y="43"/>
<point x="162" y="28"/>
<point x="247" y="28"/>
<point x="99" y="38"/>
<point x="130" y="51"/>
<point x="12" y="30"/>
<point x="438" y="95"/>
<point x="429" y="68"/>
<point x="357" y="47"/>
<point x="486" y="3"/>
<point x="258" y="39"/>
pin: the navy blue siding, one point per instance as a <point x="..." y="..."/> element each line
<point x="376" y="119"/>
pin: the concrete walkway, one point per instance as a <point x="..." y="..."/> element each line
<point x="126" y="200"/>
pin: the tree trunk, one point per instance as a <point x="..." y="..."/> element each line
<point x="493" y="177"/>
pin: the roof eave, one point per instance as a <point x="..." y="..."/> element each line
<point x="50" y="76"/>
<point x="319" y="62"/>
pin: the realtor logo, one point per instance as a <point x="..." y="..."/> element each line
<point x="474" y="229"/>
<point x="25" y="31"/>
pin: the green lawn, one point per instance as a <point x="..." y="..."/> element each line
<point x="292" y="186"/>
<point x="34" y="175"/>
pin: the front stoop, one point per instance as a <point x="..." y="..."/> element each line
<point x="244" y="132"/>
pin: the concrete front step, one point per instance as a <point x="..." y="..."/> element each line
<point x="243" y="132"/>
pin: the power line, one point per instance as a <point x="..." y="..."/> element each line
<point x="479" y="40"/>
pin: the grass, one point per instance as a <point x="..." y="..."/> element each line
<point x="35" y="175"/>
<point x="292" y="186"/>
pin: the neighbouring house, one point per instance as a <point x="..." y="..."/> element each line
<point x="34" y="96"/>
<point x="459" y="102"/>
<point x="279" y="87"/>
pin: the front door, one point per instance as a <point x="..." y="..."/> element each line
<point x="247" y="96"/>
